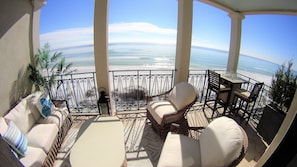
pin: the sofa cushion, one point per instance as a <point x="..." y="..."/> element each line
<point x="3" y="126"/>
<point x="221" y="142"/>
<point x="22" y="116"/>
<point x="16" y="139"/>
<point x="32" y="99"/>
<point x="34" y="158"/>
<point x="160" y="108"/>
<point x="182" y="95"/>
<point x="179" y="150"/>
<point x="42" y="136"/>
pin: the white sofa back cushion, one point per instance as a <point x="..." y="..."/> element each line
<point x="32" y="99"/>
<point x="22" y="116"/>
<point x="221" y="142"/>
<point x="182" y="95"/>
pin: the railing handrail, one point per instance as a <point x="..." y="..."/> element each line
<point x="151" y="80"/>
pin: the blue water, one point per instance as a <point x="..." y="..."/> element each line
<point x="163" y="56"/>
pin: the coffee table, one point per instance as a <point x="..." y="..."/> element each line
<point x="100" y="142"/>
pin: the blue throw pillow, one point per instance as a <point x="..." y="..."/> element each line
<point x="16" y="139"/>
<point x="45" y="106"/>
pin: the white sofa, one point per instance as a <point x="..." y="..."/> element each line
<point x="42" y="135"/>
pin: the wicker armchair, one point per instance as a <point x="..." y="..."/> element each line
<point x="172" y="109"/>
<point x="222" y="143"/>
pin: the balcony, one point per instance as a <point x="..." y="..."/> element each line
<point x="129" y="89"/>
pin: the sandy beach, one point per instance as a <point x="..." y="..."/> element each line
<point x="85" y="69"/>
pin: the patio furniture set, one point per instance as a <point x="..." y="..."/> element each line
<point x="35" y="129"/>
<point x="223" y="142"/>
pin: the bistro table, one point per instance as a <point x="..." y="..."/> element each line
<point x="100" y="142"/>
<point x="234" y="81"/>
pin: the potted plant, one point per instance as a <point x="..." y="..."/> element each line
<point x="281" y="93"/>
<point x="45" y="68"/>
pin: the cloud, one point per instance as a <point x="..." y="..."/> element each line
<point x="68" y="37"/>
<point x="139" y="27"/>
<point x="117" y="32"/>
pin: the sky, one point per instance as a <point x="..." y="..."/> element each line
<point x="69" y="23"/>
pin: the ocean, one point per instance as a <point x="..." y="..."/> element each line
<point x="162" y="56"/>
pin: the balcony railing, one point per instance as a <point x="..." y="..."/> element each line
<point x="79" y="89"/>
<point x="129" y="88"/>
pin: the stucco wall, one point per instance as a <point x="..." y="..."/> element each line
<point x="18" y="40"/>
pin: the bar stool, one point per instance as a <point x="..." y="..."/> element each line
<point x="246" y="98"/>
<point x="215" y="85"/>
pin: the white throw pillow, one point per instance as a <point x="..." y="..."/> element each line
<point x="21" y="115"/>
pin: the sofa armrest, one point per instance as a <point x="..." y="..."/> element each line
<point x="6" y="156"/>
<point x="61" y="103"/>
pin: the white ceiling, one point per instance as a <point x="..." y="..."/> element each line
<point x="256" y="6"/>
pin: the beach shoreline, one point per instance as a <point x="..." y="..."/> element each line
<point x="255" y="76"/>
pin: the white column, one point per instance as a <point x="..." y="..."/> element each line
<point x="234" y="50"/>
<point x="184" y="39"/>
<point x="101" y="43"/>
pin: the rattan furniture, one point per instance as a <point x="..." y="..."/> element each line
<point x="222" y="143"/>
<point x="171" y="109"/>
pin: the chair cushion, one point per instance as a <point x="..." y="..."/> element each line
<point x="182" y="95"/>
<point x="244" y="94"/>
<point x="179" y="150"/>
<point x="160" y="108"/>
<point x="34" y="158"/>
<point x="42" y="136"/>
<point x="221" y="142"/>
<point x="22" y="116"/>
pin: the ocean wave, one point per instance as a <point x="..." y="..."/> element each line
<point x="162" y="59"/>
<point x="124" y="57"/>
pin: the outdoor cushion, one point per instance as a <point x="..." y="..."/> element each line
<point x="218" y="148"/>
<point x="181" y="95"/>
<point x="22" y="117"/>
<point x="16" y="139"/>
<point x="34" y="157"/>
<point x="44" y="141"/>
<point x="180" y="150"/>
<point x="160" y="108"/>
<point x="31" y="102"/>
